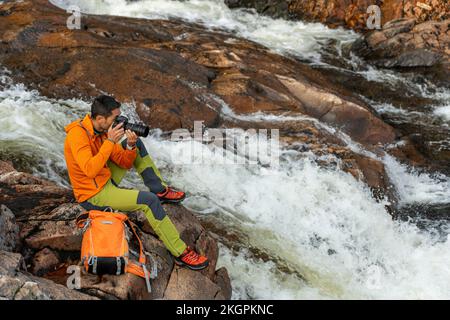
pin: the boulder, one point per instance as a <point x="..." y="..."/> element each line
<point x="9" y="230"/>
<point x="223" y="281"/>
<point x="187" y="284"/>
<point x="36" y="194"/>
<point x="405" y="43"/>
<point x="45" y="261"/>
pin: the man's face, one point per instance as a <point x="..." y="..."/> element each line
<point x="105" y="123"/>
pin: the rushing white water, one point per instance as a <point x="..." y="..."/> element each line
<point x="443" y="112"/>
<point x="28" y="125"/>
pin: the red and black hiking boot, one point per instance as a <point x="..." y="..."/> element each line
<point x="171" y="196"/>
<point x="191" y="259"/>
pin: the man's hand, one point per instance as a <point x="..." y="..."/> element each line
<point x="131" y="138"/>
<point x="116" y="133"/>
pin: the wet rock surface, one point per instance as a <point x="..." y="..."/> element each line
<point x="41" y="267"/>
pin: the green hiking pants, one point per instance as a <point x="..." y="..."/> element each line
<point x="133" y="200"/>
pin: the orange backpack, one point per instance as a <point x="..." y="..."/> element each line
<point x="104" y="248"/>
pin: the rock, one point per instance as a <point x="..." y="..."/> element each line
<point x="10" y="263"/>
<point x="56" y="229"/>
<point x="132" y="71"/>
<point x="123" y="287"/>
<point x="208" y="246"/>
<point x="223" y="281"/>
<point x="17" y="284"/>
<point x="36" y="195"/>
<point x="353" y="119"/>
<point x="8" y="287"/>
<point x="350" y="14"/>
<point x="373" y="173"/>
<point x="58" y="235"/>
<point x="44" y="261"/>
<point x="405" y="43"/>
<point x="187" y="284"/>
<point x="273" y="8"/>
<point x="30" y="291"/>
<point x="9" y="231"/>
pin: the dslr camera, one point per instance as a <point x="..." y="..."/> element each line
<point x="139" y="129"/>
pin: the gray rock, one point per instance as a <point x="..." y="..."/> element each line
<point x="9" y="231"/>
<point x="415" y="58"/>
<point x="10" y="263"/>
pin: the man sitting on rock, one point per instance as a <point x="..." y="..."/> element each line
<point x="97" y="162"/>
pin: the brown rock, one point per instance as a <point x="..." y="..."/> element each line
<point x="128" y="68"/>
<point x="26" y="194"/>
<point x="44" y="261"/>
<point x="405" y="43"/>
<point x="354" y="119"/>
<point x="223" y="281"/>
<point x="376" y="178"/>
<point x="187" y="284"/>
<point x="109" y="287"/>
<point x="172" y="82"/>
<point x="58" y="235"/>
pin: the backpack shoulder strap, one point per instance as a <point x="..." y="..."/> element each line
<point x="139" y="269"/>
<point x="141" y="247"/>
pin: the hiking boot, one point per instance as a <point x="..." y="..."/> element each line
<point x="171" y="196"/>
<point x="191" y="259"/>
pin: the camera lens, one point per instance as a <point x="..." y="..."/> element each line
<point x="140" y="130"/>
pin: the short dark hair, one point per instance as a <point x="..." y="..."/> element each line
<point x="103" y="106"/>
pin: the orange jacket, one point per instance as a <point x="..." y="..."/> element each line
<point x="86" y="156"/>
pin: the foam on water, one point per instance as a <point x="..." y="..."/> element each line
<point x="322" y="222"/>
<point x="443" y="112"/>
<point x="415" y="187"/>
<point x="273" y="284"/>
<point x="32" y="127"/>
